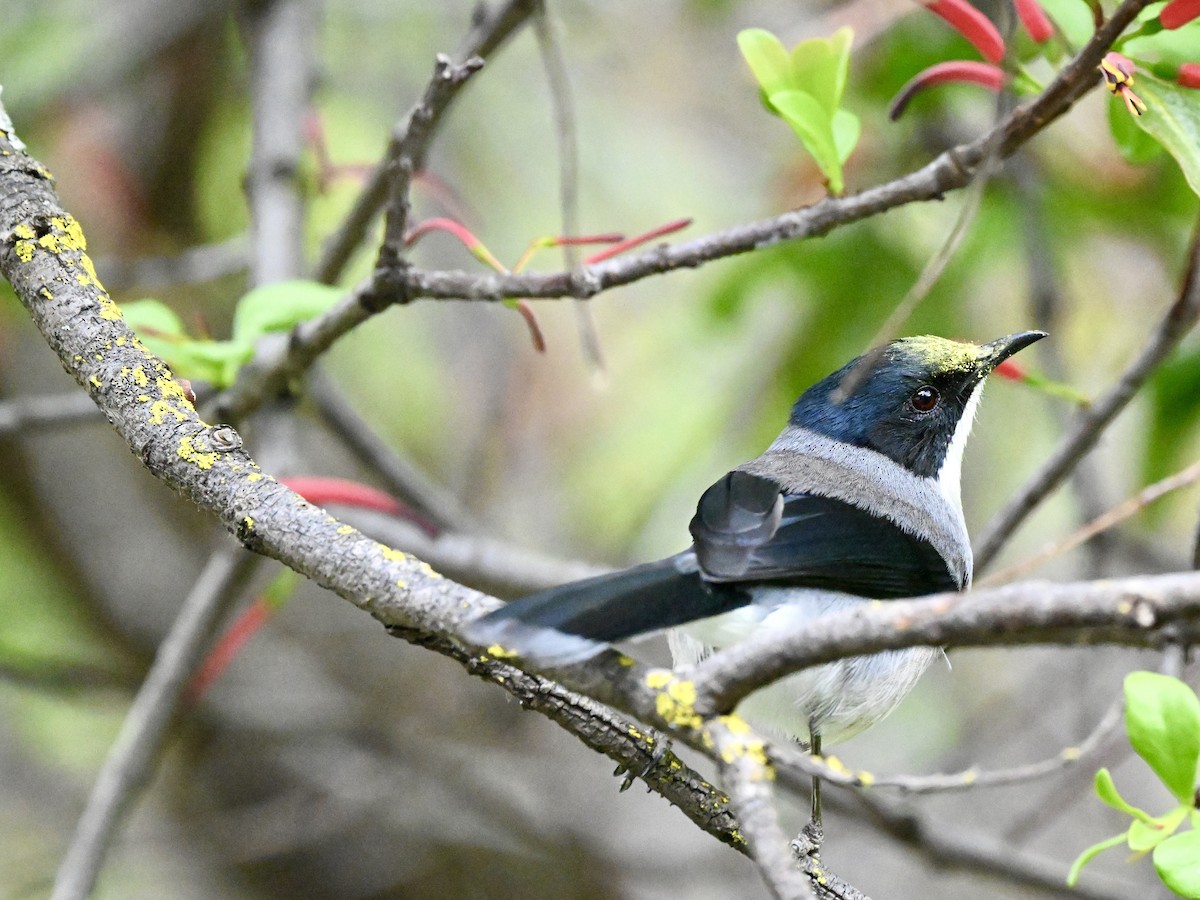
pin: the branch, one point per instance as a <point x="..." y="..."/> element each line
<point x="951" y="170"/>
<point x="130" y="760"/>
<point x="1179" y="320"/>
<point x="1141" y="611"/>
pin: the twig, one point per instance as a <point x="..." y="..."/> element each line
<point x="559" y="81"/>
<point x="976" y="778"/>
<point x="1091" y="422"/>
<point x="485" y="563"/>
<point x="488" y="33"/>
<point x="1100" y="524"/>
<point x="747" y="774"/>
<point x="130" y="760"/>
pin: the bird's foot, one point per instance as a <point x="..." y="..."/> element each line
<point x="808" y="841"/>
<point x="662" y="747"/>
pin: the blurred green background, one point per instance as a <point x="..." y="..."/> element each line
<point x="333" y="761"/>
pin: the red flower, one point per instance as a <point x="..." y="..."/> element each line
<point x="1179" y="12"/>
<point x="991" y="77"/>
<point x="1189" y="75"/>
<point x="973" y="25"/>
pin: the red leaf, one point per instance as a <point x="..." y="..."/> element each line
<point x="630" y="243"/>
<point x="253" y="618"/>
<point x="959" y="70"/>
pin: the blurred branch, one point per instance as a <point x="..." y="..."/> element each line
<point x="488" y="31"/>
<point x="400" y="283"/>
<point x="558" y="79"/>
<point x="26" y="415"/>
<point x="281" y="39"/>
<point x="400" y="476"/>
<point x="194" y="265"/>
<point x="130" y="760"/>
<point x="1091" y="422"/>
<point x="1100" y="524"/>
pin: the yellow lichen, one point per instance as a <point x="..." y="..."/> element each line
<point x="676" y="700"/>
<point x="402" y="584"/>
<point x="346" y="529"/>
<point x="160" y="409"/>
<point x="24" y="250"/>
<point x="740" y="743"/>
<point x="95" y="380"/>
<point x="24" y="232"/>
<point x="254" y="476"/>
<point x="497" y="652"/>
<point x="391" y="554"/>
<point x="187" y="451"/>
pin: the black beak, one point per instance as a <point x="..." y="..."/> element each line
<point x="997" y="351"/>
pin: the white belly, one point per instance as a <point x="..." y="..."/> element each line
<point x="838" y="699"/>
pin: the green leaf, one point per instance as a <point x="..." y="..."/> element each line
<point x="153" y="318"/>
<point x="1135" y="143"/>
<point x="1173" y="119"/>
<point x="280" y="307"/>
<point x="812" y="124"/>
<point x="1087" y="855"/>
<point x="1106" y="790"/>
<point x="846" y="130"/>
<point x="1177" y="860"/>
<point x="1162" y="717"/>
<point x="1145" y="836"/>
<point x="820" y="66"/>
<point x="768" y="59"/>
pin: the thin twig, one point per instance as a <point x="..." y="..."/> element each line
<point x="489" y="31"/>
<point x="1098" y="525"/>
<point x="559" y="81"/>
<point x="747" y="775"/>
<point x="1091" y="422"/>
<point x="977" y="778"/>
<point x="130" y="761"/>
<point x="194" y="265"/>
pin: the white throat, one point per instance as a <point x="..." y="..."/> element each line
<point x="949" y="476"/>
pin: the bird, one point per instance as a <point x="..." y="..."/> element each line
<point x="857" y="500"/>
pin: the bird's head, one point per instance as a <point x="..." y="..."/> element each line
<point x="912" y="400"/>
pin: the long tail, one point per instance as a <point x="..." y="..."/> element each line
<point x="571" y="622"/>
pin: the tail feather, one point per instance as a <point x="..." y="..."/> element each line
<point x="574" y="621"/>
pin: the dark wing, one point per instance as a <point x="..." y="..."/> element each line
<point x="748" y="531"/>
<point x="574" y="621"/>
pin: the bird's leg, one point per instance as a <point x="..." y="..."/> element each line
<point x="808" y="842"/>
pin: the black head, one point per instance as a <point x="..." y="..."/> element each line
<point x="910" y="398"/>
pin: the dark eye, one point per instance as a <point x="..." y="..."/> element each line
<point x="924" y="398"/>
